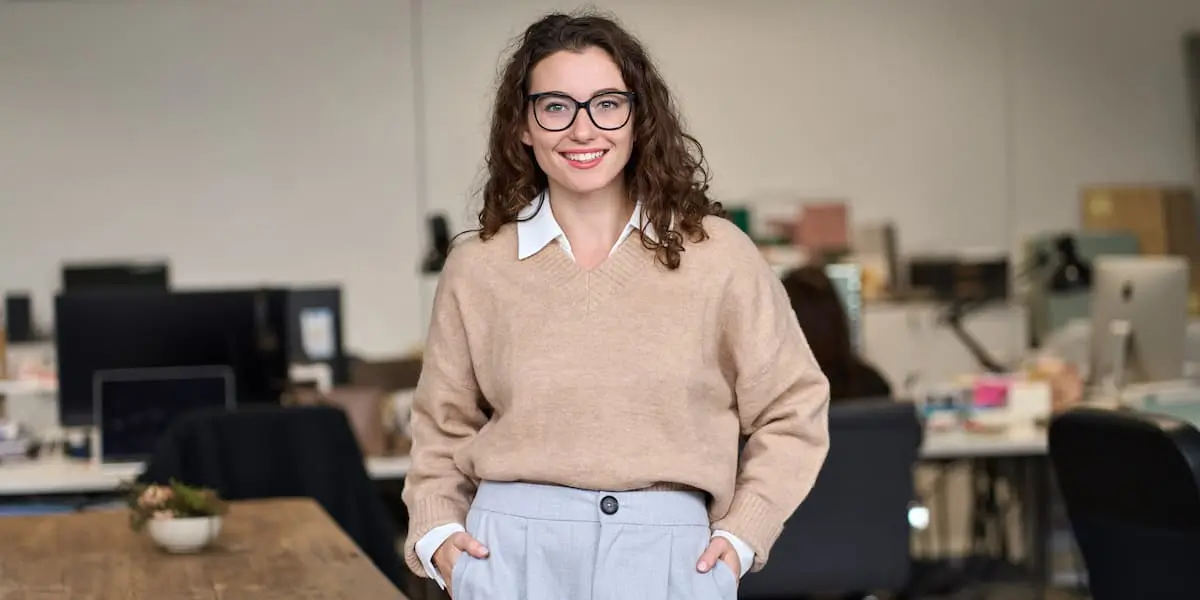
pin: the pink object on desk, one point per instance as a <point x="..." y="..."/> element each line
<point x="991" y="392"/>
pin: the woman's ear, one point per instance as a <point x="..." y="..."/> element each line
<point x="526" y="137"/>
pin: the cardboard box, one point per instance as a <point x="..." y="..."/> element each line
<point x="823" y="226"/>
<point x="387" y="375"/>
<point x="1192" y="60"/>
<point x="1163" y="218"/>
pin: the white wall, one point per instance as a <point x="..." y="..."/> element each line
<point x="967" y="122"/>
<point x="1099" y="94"/>
<point x="263" y="141"/>
<point x="896" y="105"/>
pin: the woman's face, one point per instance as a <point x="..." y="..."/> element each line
<point x="579" y="154"/>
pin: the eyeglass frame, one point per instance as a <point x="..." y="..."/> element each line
<point x="585" y="105"/>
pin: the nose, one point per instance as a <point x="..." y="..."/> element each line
<point x="583" y="130"/>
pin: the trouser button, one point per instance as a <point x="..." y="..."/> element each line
<point x="609" y="505"/>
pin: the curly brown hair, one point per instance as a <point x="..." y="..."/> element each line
<point x="666" y="172"/>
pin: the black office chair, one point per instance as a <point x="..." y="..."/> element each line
<point x="1129" y="483"/>
<point x="851" y="535"/>
<point x="276" y="452"/>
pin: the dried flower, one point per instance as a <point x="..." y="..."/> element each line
<point x="154" y="496"/>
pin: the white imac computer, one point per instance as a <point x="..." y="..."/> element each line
<point x="847" y="280"/>
<point x="1139" y="319"/>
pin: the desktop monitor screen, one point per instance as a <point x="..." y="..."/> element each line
<point x="134" y="407"/>
<point x="1139" y="319"/>
<point x="115" y="277"/>
<point x="241" y="329"/>
<point x="847" y="280"/>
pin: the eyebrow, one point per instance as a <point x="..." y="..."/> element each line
<point x="594" y="94"/>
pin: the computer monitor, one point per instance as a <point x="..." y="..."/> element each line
<point x="92" y="277"/>
<point x="134" y="407"/>
<point x="1139" y="319"/>
<point x="847" y="280"/>
<point x="244" y="330"/>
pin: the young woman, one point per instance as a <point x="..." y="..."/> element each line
<point x="825" y="325"/>
<point x="596" y="351"/>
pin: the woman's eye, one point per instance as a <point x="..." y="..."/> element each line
<point x="607" y="105"/>
<point x="556" y="107"/>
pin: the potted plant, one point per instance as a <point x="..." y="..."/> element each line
<point x="180" y="518"/>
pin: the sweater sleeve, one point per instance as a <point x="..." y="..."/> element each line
<point x="782" y="403"/>
<point x="446" y="415"/>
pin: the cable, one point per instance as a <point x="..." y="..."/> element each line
<point x="953" y="317"/>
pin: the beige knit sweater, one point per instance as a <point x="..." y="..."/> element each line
<point x="619" y="378"/>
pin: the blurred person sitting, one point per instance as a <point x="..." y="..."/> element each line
<point x="823" y="319"/>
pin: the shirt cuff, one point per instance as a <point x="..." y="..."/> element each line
<point x="745" y="554"/>
<point x="430" y="542"/>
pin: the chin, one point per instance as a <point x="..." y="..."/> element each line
<point x="589" y="183"/>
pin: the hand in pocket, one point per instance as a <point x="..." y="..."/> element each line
<point x="451" y="550"/>
<point x="720" y="549"/>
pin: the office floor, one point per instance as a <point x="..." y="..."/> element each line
<point x="1007" y="592"/>
<point x="983" y="592"/>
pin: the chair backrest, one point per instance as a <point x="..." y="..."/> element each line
<point x="1129" y="482"/>
<point x="852" y="532"/>
<point x="278" y="452"/>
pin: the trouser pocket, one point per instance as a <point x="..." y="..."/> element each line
<point x="499" y="575"/>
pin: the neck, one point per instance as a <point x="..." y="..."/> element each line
<point x="593" y="220"/>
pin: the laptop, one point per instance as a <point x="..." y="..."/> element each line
<point x="134" y="407"/>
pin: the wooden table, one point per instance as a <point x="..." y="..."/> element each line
<point x="267" y="549"/>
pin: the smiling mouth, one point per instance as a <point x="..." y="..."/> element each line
<point x="583" y="157"/>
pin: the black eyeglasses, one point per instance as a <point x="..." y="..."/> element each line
<point x="609" y="111"/>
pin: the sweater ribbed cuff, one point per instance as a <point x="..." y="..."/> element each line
<point x="755" y="521"/>
<point x="424" y="516"/>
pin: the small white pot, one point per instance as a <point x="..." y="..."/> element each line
<point x="183" y="536"/>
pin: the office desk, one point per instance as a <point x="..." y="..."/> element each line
<point x="1184" y="411"/>
<point x="958" y="444"/>
<point x="1019" y="456"/>
<point x="1025" y="442"/>
<point x="64" y="476"/>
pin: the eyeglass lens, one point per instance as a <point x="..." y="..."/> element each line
<point x="556" y="113"/>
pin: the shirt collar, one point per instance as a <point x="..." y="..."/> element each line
<point x="537" y="227"/>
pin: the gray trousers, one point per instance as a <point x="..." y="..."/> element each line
<point x="555" y="543"/>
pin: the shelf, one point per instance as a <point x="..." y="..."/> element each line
<point x="17" y="387"/>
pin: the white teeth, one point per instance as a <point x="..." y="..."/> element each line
<point x="583" y="157"/>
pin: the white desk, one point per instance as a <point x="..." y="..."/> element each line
<point x="64" y="476"/>
<point x="943" y="445"/>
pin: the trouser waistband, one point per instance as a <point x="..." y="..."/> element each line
<point x="557" y="503"/>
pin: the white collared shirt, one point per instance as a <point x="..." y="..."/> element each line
<point x="536" y="229"/>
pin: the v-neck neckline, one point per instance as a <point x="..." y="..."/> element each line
<point x="614" y="272"/>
